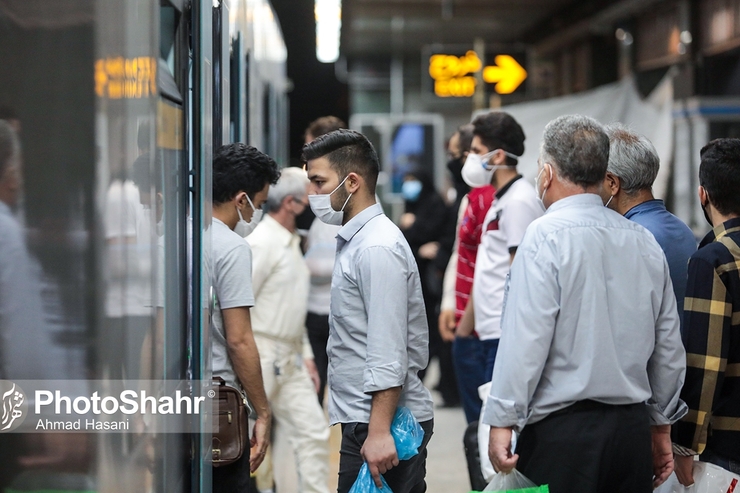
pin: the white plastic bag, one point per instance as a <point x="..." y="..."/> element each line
<point x="484" y="432"/>
<point x="708" y="478"/>
<point x="509" y="481"/>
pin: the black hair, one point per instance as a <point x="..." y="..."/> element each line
<point x="719" y="174"/>
<point x="324" y="125"/>
<point x="347" y="151"/>
<point x="8" y="113"/>
<point x="241" y="168"/>
<point x="499" y="130"/>
<point x="466" y="137"/>
<point x="144" y="176"/>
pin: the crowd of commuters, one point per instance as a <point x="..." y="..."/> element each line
<point x="611" y="344"/>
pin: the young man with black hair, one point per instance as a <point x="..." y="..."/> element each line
<point x="241" y="179"/>
<point x="498" y="141"/>
<point x="379" y="337"/>
<point x="711" y="321"/>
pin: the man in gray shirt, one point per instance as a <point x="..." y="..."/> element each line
<point x="241" y="179"/>
<point x="379" y="338"/>
<point x="591" y="363"/>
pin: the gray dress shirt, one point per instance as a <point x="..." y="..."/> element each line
<point x="589" y="314"/>
<point x="378" y="337"/>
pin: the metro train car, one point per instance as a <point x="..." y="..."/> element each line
<point x="115" y="109"/>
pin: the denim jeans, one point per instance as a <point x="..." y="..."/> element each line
<point x="469" y="358"/>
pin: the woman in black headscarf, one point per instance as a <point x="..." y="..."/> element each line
<point x="424" y="226"/>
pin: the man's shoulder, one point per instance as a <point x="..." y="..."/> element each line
<point x="719" y="252"/>
<point x="226" y="242"/>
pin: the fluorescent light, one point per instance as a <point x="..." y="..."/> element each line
<point x="328" y="27"/>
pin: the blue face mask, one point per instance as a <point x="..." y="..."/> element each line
<point x="410" y="190"/>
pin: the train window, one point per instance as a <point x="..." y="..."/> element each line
<point x="247" y="97"/>
<point x="236" y="74"/>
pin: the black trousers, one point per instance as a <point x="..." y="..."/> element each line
<point x="233" y="478"/>
<point x="318" y="335"/>
<point x="589" y="448"/>
<point x="407" y="477"/>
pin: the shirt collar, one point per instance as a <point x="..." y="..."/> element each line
<point x="501" y="191"/>
<point x="349" y="230"/>
<point x="275" y="228"/>
<point x="653" y="205"/>
<point x="727" y="227"/>
<point x="578" y="200"/>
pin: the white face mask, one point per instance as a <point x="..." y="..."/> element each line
<point x="477" y="172"/>
<point x="321" y="206"/>
<point x="244" y="228"/>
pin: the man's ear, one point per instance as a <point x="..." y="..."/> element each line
<point x="703" y="196"/>
<point x="612" y="183"/>
<point x="353" y="183"/>
<point x="499" y="158"/>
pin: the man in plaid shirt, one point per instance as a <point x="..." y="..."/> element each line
<point x="712" y="321"/>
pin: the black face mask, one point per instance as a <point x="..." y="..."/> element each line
<point x="706" y="215"/>
<point x="455" y="165"/>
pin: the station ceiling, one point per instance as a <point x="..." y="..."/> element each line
<point x="380" y="27"/>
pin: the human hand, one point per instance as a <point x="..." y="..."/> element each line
<point x="313" y="373"/>
<point x="379" y="451"/>
<point x="662" y="453"/>
<point x="447" y="325"/>
<point x="407" y="220"/>
<point x="429" y="250"/>
<point x="499" y="450"/>
<point x="259" y="442"/>
<point x="685" y="469"/>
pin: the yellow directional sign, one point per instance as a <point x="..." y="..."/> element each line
<point x="507" y="74"/>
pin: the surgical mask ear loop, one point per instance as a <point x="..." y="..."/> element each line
<point x="609" y="201"/>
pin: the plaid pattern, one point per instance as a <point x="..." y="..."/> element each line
<point x="712" y="339"/>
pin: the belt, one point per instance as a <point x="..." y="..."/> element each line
<point x="589" y="405"/>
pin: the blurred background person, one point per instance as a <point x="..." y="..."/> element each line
<point x="320" y="246"/>
<point x="280" y="279"/>
<point x="423" y="225"/>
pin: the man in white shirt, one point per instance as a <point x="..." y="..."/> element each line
<point x="498" y="140"/>
<point x="591" y="362"/>
<point x="280" y="279"/>
<point x="379" y="335"/>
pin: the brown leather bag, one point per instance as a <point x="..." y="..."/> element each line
<point x="230" y="424"/>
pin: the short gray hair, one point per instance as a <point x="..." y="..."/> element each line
<point x="9" y="146"/>
<point x="632" y="157"/>
<point x="578" y="147"/>
<point x="292" y="182"/>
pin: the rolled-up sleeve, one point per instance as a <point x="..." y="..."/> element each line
<point x="530" y="309"/>
<point x="382" y="279"/>
<point x="667" y="365"/>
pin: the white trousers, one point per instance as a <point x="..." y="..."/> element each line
<point x="297" y="416"/>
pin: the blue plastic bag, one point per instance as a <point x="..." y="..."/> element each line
<point x="407" y="433"/>
<point x="365" y="484"/>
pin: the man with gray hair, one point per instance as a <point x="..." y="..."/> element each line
<point x="628" y="189"/>
<point x="591" y="363"/>
<point x="280" y="279"/>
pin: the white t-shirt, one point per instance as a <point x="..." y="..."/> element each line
<point x="514" y="207"/>
<point x="231" y="279"/>
<point x="130" y="237"/>
<point x="320" y="250"/>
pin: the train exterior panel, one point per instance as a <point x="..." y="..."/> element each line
<point x="115" y="110"/>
